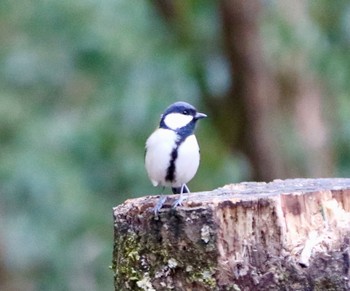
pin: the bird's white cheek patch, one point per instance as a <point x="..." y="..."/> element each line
<point x="177" y="120"/>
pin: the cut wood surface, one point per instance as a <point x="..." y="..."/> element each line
<point x="283" y="235"/>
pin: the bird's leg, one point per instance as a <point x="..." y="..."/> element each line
<point x="160" y="202"/>
<point x="184" y="189"/>
<point x="187" y="189"/>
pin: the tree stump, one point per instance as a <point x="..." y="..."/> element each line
<point x="283" y="235"/>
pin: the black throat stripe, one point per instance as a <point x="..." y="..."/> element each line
<point x="170" y="173"/>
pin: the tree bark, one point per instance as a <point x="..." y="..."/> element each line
<point x="283" y="235"/>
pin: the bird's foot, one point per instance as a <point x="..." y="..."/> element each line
<point x="178" y="202"/>
<point x="184" y="189"/>
<point x="159" y="204"/>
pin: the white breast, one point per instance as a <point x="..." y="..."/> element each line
<point x="187" y="161"/>
<point x="159" y="147"/>
<point x="158" y="151"/>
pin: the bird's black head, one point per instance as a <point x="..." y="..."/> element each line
<point x="181" y="117"/>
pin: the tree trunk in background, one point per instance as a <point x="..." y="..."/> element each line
<point x="274" y="117"/>
<point x="264" y="95"/>
<point x="308" y="105"/>
<point x="252" y="87"/>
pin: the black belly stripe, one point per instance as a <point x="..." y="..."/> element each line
<point x="170" y="173"/>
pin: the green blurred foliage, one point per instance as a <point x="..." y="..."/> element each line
<point x="82" y="86"/>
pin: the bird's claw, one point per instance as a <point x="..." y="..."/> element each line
<point x="159" y="204"/>
<point x="178" y="202"/>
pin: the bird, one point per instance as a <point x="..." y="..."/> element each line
<point x="172" y="151"/>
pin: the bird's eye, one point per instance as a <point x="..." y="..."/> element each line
<point x="185" y="112"/>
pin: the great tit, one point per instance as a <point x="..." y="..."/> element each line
<point x="172" y="152"/>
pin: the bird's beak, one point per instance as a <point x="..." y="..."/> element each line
<point x="200" y="115"/>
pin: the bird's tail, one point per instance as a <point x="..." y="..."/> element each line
<point x="177" y="190"/>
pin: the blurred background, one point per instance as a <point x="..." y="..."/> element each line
<point x="83" y="84"/>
